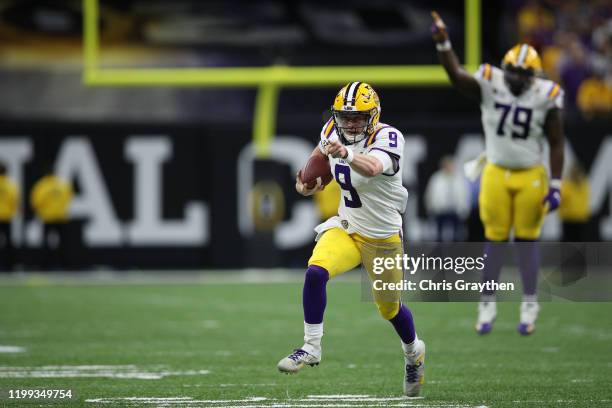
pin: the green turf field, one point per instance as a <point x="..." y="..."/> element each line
<point x="217" y="345"/>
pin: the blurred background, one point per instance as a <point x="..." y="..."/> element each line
<point x="165" y="177"/>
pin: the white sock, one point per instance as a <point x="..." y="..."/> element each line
<point x="312" y="338"/>
<point x="409" y="348"/>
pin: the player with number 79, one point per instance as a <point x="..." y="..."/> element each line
<point x="520" y="112"/>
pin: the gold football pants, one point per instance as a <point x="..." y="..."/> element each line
<point x="512" y="199"/>
<point x="339" y="252"/>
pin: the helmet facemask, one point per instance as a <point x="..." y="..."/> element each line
<point x="352" y="126"/>
<point x="517" y="79"/>
<point x="521" y="64"/>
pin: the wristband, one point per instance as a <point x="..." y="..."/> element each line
<point x="444" y="46"/>
<point x="555" y="183"/>
<point x="349" y="155"/>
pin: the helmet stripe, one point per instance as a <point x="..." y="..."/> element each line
<point x="522" y="54"/>
<point x="352" y="93"/>
<point x="346" y="95"/>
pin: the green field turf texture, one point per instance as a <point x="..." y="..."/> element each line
<point x="239" y="331"/>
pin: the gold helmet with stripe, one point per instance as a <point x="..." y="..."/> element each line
<point x="523" y="56"/>
<point x="521" y="63"/>
<point x="356" y="111"/>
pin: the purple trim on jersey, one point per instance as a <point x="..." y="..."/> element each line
<point x="488" y="72"/>
<point x="554" y="91"/>
<point x="395" y="158"/>
<point x="552" y="88"/>
<point x="327" y="123"/>
<point x="370" y="140"/>
<point x="480" y="71"/>
<point x="393" y="155"/>
<point x="331" y="128"/>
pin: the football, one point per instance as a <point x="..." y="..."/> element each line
<point x="316" y="166"/>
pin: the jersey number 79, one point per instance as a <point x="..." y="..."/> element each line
<point x="521" y="118"/>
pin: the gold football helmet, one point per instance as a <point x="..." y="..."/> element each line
<point x="356" y="111"/>
<point x="523" y="56"/>
<point x="520" y="64"/>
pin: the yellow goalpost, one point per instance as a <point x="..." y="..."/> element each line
<point x="269" y="79"/>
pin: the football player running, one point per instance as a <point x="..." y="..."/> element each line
<point x="365" y="158"/>
<point x="519" y="110"/>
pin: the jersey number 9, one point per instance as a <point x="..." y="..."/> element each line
<point x="343" y="177"/>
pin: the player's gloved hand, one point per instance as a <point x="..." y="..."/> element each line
<point x="303" y="189"/>
<point x="336" y="149"/>
<point x="438" y="28"/>
<point x="553" y="198"/>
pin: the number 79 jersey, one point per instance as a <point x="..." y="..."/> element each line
<point x="371" y="206"/>
<point x="514" y="126"/>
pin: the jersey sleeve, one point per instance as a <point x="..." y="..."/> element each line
<point x="554" y="96"/>
<point x="328" y="134"/>
<point x="390" y="142"/>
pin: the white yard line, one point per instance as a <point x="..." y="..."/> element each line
<point x="323" y="401"/>
<point x="558" y="401"/>
<point x="12" y="349"/>
<point x="96" y="371"/>
<point x="338" y="396"/>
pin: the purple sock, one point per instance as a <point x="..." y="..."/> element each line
<point x="314" y="296"/>
<point x="494" y="252"/>
<point x="404" y="325"/>
<point x="529" y="261"/>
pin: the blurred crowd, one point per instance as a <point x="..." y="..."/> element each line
<point x="574" y="38"/>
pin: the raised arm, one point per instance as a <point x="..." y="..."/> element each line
<point x="459" y="77"/>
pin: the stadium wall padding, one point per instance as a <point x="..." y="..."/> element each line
<point x="183" y="196"/>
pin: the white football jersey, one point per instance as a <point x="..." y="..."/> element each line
<point x="371" y="206"/>
<point x="514" y="125"/>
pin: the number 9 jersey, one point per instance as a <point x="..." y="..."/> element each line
<point x="514" y="125"/>
<point x="370" y="206"/>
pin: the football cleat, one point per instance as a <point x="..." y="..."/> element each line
<point x="487" y="311"/>
<point x="529" y="315"/>
<point x="414" y="370"/>
<point x="296" y="360"/>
